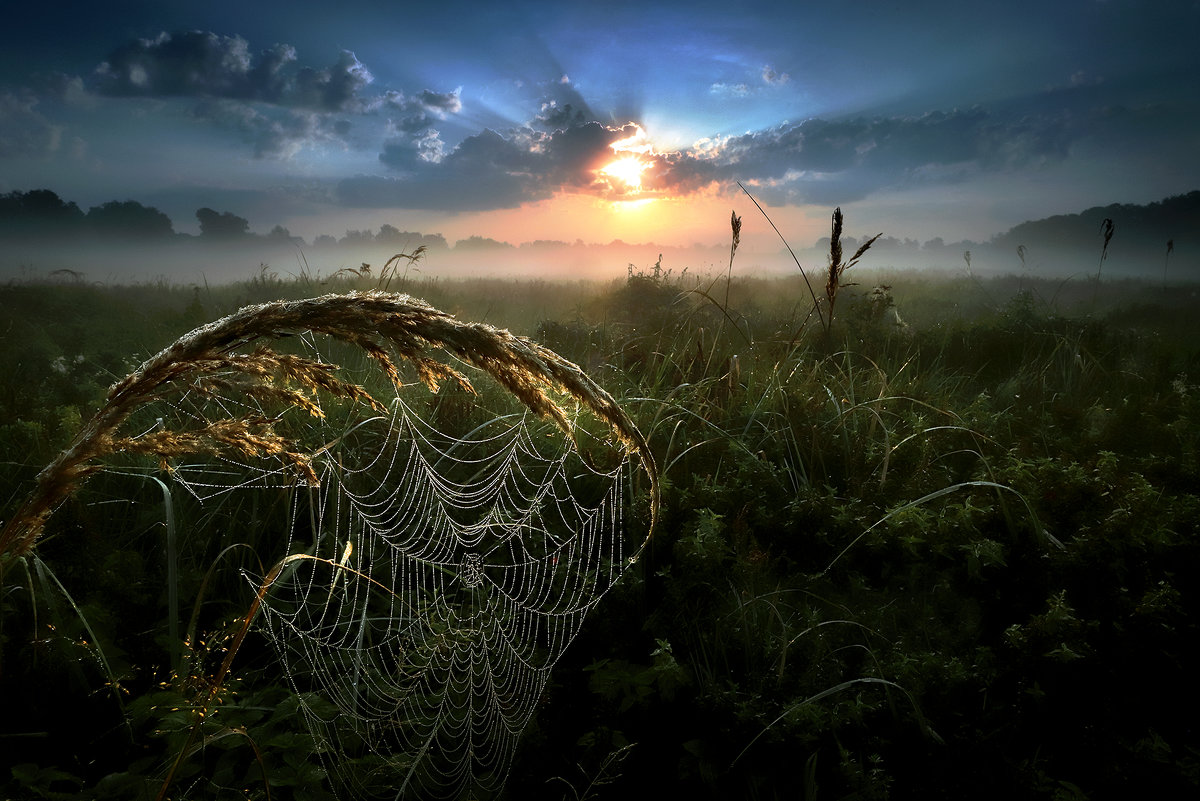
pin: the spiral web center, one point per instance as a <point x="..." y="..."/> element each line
<point x="432" y="581"/>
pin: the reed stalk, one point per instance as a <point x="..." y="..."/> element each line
<point x="837" y="266"/>
<point x="1106" y="230"/>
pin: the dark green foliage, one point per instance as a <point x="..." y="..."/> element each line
<point x="950" y="551"/>
<point x="129" y="220"/>
<point x="221" y="225"/>
<point x="38" y="213"/>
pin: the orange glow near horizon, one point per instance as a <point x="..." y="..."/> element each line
<point x="648" y="226"/>
<point x="633" y="205"/>
<point x="672" y="222"/>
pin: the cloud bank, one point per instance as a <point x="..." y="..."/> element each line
<point x="24" y="131"/>
<point x="205" y="64"/>
<point x="815" y="161"/>
<point x="423" y="148"/>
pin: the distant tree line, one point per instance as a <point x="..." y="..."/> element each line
<point x="1138" y="227"/>
<point x="1170" y="226"/>
<point x="388" y="235"/>
<point x="41" y="214"/>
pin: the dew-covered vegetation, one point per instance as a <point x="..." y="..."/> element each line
<point x="938" y="539"/>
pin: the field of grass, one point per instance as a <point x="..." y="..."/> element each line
<point x="945" y="544"/>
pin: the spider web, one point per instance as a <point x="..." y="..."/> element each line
<point x="429" y="583"/>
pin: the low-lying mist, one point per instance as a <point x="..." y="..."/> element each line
<point x="187" y="260"/>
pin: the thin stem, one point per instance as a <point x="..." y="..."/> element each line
<point x="816" y="303"/>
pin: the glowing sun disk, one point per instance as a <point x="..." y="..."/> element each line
<point x="627" y="170"/>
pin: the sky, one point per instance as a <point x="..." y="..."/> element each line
<point x="530" y="120"/>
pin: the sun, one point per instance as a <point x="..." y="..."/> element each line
<point x="627" y="170"/>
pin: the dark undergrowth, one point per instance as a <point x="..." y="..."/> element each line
<point x="943" y="545"/>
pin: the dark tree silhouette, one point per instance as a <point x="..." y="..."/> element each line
<point x="38" y="212"/>
<point x="284" y="236"/>
<point x="129" y="220"/>
<point x="392" y="236"/>
<point x="221" y="225"/>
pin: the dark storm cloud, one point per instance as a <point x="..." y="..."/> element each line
<point x="280" y="107"/>
<point x="848" y="159"/>
<point x="416" y="113"/>
<point x="485" y="171"/>
<point x="490" y="170"/>
<point x="273" y="132"/>
<point x="895" y="145"/>
<point x="553" y="116"/>
<point x="562" y="107"/>
<point x="205" y="64"/>
<point x="816" y="160"/>
<point x="685" y="172"/>
<point x="441" y="103"/>
<point x="334" y="89"/>
<point x="268" y="98"/>
<point x="570" y="156"/>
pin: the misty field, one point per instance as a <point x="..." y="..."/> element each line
<point x="935" y="536"/>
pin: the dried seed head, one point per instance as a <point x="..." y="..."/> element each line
<point x="383" y="325"/>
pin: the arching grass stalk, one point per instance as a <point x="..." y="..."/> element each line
<point x="383" y="325"/>
<point x="1043" y="535"/>
<point x="925" y="728"/>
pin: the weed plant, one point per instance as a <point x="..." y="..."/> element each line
<point x="942" y="545"/>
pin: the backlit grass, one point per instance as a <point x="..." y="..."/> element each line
<point x="940" y="544"/>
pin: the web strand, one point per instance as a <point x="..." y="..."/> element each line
<point x="434" y="581"/>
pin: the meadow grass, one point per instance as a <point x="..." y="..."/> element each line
<point x="917" y="547"/>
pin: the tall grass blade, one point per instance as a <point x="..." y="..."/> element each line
<point x="837" y="688"/>
<point x="1041" y="533"/>
<point x="792" y="253"/>
<point x="174" y="645"/>
<point x="50" y="582"/>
